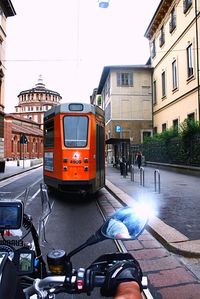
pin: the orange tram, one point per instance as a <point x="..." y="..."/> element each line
<point x="74" y="148"/>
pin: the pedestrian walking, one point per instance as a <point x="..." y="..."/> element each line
<point x="121" y="166"/>
<point x="139" y="159"/>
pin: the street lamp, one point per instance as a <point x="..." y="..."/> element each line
<point x="104" y="3"/>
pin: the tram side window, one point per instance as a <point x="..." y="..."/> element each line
<point x="49" y="134"/>
<point x="75" y="131"/>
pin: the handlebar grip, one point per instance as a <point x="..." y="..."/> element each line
<point x="99" y="280"/>
<point x="30" y="291"/>
<point x="93" y="279"/>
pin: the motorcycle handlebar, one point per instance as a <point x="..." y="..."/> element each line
<point x="41" y="286"/>
<point x="64" y="284"/>
<point x="99" y="280"/>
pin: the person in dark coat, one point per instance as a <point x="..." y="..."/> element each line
<point x="139" y="159"/>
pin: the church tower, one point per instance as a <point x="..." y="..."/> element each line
<point x="35" y="101"/>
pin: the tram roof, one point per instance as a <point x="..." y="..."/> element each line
<point x="74" y="108"/>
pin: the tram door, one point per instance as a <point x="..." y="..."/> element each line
<point x="100" y="156"/>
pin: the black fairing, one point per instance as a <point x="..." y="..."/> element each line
<point x="9" y="286"/>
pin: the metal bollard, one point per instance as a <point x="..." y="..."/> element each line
<point x="124" y="170"/>
<point x="156" y="173"/>
<point x="121" y="168"/>
<point x="142" y="176"/>
<point x="132" y="173"/>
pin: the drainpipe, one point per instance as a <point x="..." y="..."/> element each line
<point x="152" y="99"/>
<point x="197" y="52"/>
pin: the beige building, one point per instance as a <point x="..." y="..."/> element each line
<point x="6" y="10"/>
<point x="126" y="98"/>
<point x="174" y="36"/>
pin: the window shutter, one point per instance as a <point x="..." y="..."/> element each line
<point x="131" y="79"/>
<point x="118" y="79"/>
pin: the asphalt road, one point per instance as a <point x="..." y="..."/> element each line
<point x="72" y="221"/>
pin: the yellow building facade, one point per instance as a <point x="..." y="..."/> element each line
<point x="174" y="37"/>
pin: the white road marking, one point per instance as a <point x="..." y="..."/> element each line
<point x="23" y="192"/>
<point x="14" y="178"/>
<point x="29" y="200"/>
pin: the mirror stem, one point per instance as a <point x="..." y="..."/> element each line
<point x="97" y="237"/>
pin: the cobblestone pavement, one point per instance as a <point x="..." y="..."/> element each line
<point x="178" y="201"/>
<point x="169" y="276"/>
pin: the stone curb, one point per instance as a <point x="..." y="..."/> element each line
<point x="20" y="172"/>
<point x="168" y="165"/>
<point x="172" y="239"/>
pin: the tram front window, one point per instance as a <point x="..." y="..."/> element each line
<point x="75" y="131"/>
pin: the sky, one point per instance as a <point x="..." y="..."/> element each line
<point x="69" y="42"/>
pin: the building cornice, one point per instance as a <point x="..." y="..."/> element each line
<point x="7" y="8"/>
<point x="158" y="17"/>
<point x="107" y="69"/>
<point x="13" y="116"/>
<point x="37" y="90"/>
<point x="168" y="51"/>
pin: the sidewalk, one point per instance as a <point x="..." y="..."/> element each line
<point x="176" y="225"/>
<point x="169" y="276"/>
<point x="11" y="168"/>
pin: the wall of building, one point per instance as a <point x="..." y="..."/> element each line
<point x="179" y="110"/>
<point x="129" y="107"/>
<point x="13" y="130"/>
<point x="6" y="10"/>
<point x="126" y="95"/>
<point x="178" y="102"/>
<point x="130" y="130"/>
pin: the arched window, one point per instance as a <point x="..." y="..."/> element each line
<point x="12" y="146"/>
<point x="34" y="145"/>
<point x="18" y="146"/>
<point x="15" y="145"/>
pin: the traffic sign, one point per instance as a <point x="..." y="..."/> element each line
<point x="23" y="139"/>
<point x="118" y="129"/>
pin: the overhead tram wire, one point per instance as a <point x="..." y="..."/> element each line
<point x="76" y="59"/>
<point x="78" y="33"/>
<point x="39" y="60"/>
